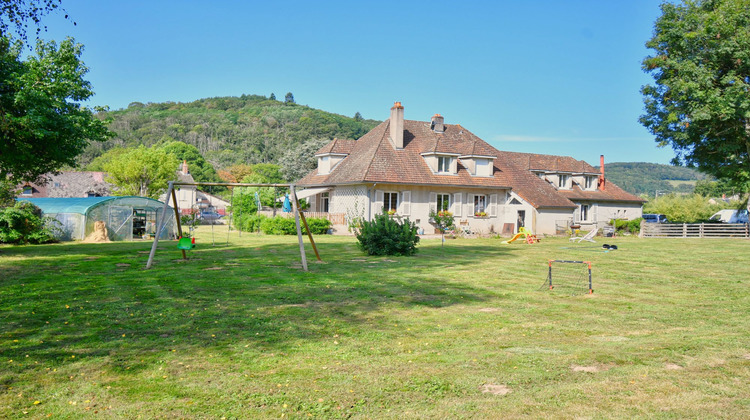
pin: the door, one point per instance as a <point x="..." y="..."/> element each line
<point x="120" y="224"/>
<point x="521" y="221"/>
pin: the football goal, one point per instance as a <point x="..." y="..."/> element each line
<point x="573" y="277"/>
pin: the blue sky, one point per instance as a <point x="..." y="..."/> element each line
<point x="541" y="76"/>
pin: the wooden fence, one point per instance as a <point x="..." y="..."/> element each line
<point x="694" y="230"/>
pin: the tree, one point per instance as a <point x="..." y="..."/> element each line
<point x="236" y="173"/>
<point x="42" y="123"/>
<point x="18" y="13"/>
<point x="358" y="116"/>
<point x="199" y="168"/>
<point x="142" y="171"/>
<point x="700" y="102"/>
<point x="299" y="161"/>
<point x="289" y="98"/>
<point x="273" y="97"/>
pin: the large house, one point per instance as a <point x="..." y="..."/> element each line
<point x="413" y="168"/>
<point x="68" y="184"/>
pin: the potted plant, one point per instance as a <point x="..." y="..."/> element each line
<point x="443" y="221"/>
<point x="391" y="212"/>
<point x="480" y="214"/>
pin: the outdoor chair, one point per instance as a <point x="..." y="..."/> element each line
<point x="587" y="237"/>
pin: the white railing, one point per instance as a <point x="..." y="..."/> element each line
<point x="694" y="230"/>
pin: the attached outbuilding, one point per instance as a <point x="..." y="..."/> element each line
<point x="125" y="218"/>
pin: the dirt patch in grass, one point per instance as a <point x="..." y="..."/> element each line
<point x="213" y="268"/>
<point x="746" y="356"/>
<point x="589" y="369"/>
<point x="672" y="366"/>
<point x="495" y="389"/>
<point x="489" y="310"/>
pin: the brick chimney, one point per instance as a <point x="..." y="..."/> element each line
<point x="437" y="124"/>
<point x="397" y="125"/>
<point x="602" y="181"/>
<point x="184" y="167"/>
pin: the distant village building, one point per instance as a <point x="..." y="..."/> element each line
<point x="69" y="184"/>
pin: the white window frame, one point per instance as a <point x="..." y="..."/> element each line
<point x="325" y="202"/>
<point x="444" y="164"/>
<point x="480" y="203"/>
<point x="590" y="182"/>
<point x="562" y="181"/>
<point x="443" y="198"/>
<point x="387" y="197"/>
<point x="584" y="211"/>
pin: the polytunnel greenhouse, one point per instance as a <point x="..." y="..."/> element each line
<point x="126" y="218"/>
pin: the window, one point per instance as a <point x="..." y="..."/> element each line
<point x="444" y="164"/>
<point x="480" y="204"/>
<point x="390" y="202"/>
<point x="324" y="200"/>
<point x="562" y="181"/>
<point x="28" y="190"/>
<point x="584" y="212"/>
<point x="590" y="182"/>
<point x="443" y="202"/>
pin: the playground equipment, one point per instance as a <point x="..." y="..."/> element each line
<point x="298" y="216"/>
<point x="527" y="235"/>
<point x="572" y="276"/>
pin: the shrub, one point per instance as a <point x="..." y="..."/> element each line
<point x="388" y="236"/>
<point x="685" y="208"/>
<point x="248" y="222"/>
<point x="23" y="223"/>
<point x="632" y="226"/>
<point x="287" y="226"/>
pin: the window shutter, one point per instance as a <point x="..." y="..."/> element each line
<point x="405" y="203"/>
<point x="433" y="202"/>
<point x="378" y="202"/>
<point x="493" y="205"/>
<point x="457" y="204"/>
<point x="469" y="205"/>
<point x="311" y="200"/>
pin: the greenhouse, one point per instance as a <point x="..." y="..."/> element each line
<point x="125" y="218"/>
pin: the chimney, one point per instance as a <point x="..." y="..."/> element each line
<point x="602" y="181"/>
<point x="437" y="124"/>
<point x="397" y="125"/>
<point x="184" y="167"/>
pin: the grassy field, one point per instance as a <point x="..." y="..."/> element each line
<point x="460" y="331"/>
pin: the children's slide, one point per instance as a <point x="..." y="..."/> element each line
<point x="516" y="236"/>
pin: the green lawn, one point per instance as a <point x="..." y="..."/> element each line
<point x="240" y="331"/>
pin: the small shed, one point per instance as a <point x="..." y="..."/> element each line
<point x="126" y="218"/>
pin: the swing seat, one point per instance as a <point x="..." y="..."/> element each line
<point x="186" y="244"/>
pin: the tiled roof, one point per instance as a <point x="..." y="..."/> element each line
<point x="374" y="159"/>
<point x="337" y="146"/>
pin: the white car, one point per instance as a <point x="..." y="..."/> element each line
<point x="730" y="216"/>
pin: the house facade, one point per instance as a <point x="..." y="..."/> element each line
<point x="412" y="168"/>
<point x="68" y="184"/>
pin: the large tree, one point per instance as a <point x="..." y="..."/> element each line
<point x="700" y="101"/>
<point x="141" y="171"/>
<point x="17" y="14"/>
<point x="43" y="125"/>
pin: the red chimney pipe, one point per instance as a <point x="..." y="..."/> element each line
<point x="602" y="180"/>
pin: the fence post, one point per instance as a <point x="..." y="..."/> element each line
<point x="700" y="231"/>
<point x="684" y="230"/>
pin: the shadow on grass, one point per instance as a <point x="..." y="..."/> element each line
<point x="98" y="301"/>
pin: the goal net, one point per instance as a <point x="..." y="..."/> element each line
<point x="573" y="277"/>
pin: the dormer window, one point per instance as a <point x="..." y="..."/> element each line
<point x="562" y="181"/>
<point x="328" y="161"/>
<point x="444" y="164"/>
<point x="27" y="190"/>
<point x="590" y="182"/>
<point x="478" y="165"/>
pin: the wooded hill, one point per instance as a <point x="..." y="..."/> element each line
<point x="647" y="178"/>
<point x="228" y="130"/>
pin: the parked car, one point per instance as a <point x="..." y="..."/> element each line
<point x="655" y="218"/>
<point x="730" y="216"/>
<point x="210" y="216"/>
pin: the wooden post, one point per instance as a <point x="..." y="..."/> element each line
<point x="159" y="225"/>
<point x="309" y="234"/>
<point x="299" y="229"/>
<point x="177" y="218"/>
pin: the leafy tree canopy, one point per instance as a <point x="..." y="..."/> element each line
<point x="299" y="161"/>
<point x="289" y="98"/>
<point x="43" y="126"/>
<point x="141" y="171"/>
<point x="700" y="101"/>
<point x="18" y="14"/>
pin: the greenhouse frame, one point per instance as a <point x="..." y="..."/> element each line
<point x="126" y="218"/>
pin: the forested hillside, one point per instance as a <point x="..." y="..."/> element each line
<point x="647" y="178"/>
<point x="228" y="130"/>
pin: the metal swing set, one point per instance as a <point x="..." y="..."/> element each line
<point x="186" y="243"/>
